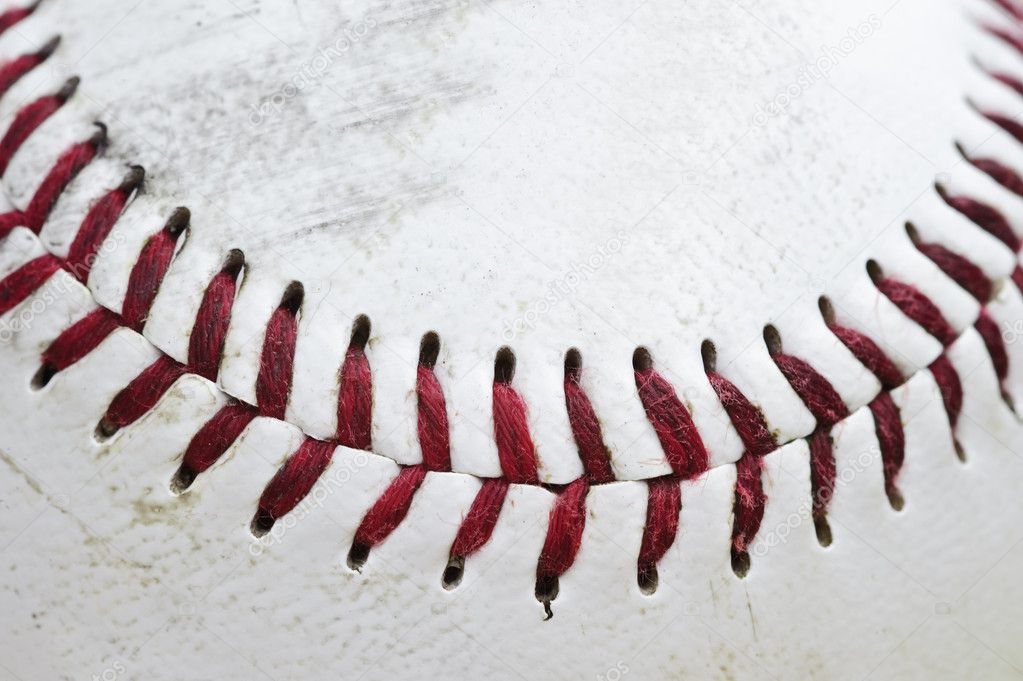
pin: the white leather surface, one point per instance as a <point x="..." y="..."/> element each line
<point x="450" y="167"/>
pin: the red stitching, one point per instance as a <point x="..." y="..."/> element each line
<point x="355" y="393"/>
<point x="273" y="384"/>
<point x="67" y="167"/>
<point x="917" y="307"/>
<point x="14" y="70"/>
<point x="960" y="270"/>
<point x="141" y="395"/>
<point x="149" y="271"/>
<point x="12" y="16"/>
<point x="564" y="537"/>
<point x="77" y="341"/>
<point x="515" y="449"/>
<point x="386" y="514"/>
<point x="432" y="421"/>
<point x="479" y="522"/>
<point x="892" y="440"/>
<point x="682" y="444"/>
<point x="206" y="343"/>
<point x="97" y="225"/>
<point x="582" y="418"/>
<point x="750" y="500"/>
<point x="19" y="284"/>
<point x="950" y="387"/>
<point x="29" y="118"/>
<point x="672" y="423"/>
<point x="212" y="440"/>
<point x="664" y="505"/>
<point x="985" y="217"/>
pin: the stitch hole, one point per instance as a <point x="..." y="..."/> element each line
<point x="642" y="360"/>
<point x="547" y="588"/>
<point x="133" y="179"/>
<point x="823" y="529"/>
<point x="49" y="48"/>
<point x="291" y="300"/>
<point x="361" y="328"/>
<point x="233" y="263"/>
<point x="182" y="479"/>
<point x="43" y="376"/>
<point x="178" y="221"/>
<point x="261" y="524"/>
<point x="429" y="349"/>
<point x="913" y="233"/>
<point x="827" y="310"/>
<point x="874" y="271"/>
<point x="573" y="364"/>
<point x="960" y="452"/>
<point x="357" y="556"/>
<point x="646" y="578"/>
<point x="504" y="365"/>
<point x="710" y="356"/>
<point x="772" y="339"/>
<point x="453" y="573"/>
<point x="895" y="499"/>
<point x="741" y="563"/>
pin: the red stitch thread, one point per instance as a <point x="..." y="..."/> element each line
<point x="10" y="220"/>
<point x="1007" y="37"/>
<point x="749" y="504"/>
<point x="206" y="344"/>
<point x="681" y="442"/>
<point x="750" y="500"/>
<point x="823" y="470"/>
<point x="919" y="308"/>
<point x="950" y="387"/>
<point x="960" y="270"/>
<point x="14" y="15"/>
<point x="273" y="384"/>
<point x="664" y="504"/>
<point x="585" y="428"/>
<point x="97" y="225"/>
<point x="77" y="341"/>
<point x="515" y="449"/>
<point x="1006" y="79"/>
<point x="14" y="70"/>
<point x="748" y="420"/>
<point x="892" y="441"/>
<point x="432" y="420"/>
<point x="29" y="118"/>
<point x="213" y="439"/>
<point x="67" y="167"/>
<point x="149" y="269"/>
<point x="814" y="390"/>
<point x="386" y="514"/>
<point x="1017" y="278"/>
<point x="1010" y="7"/>
<point x="19" y="284"/>
<point x="824" y="402"/>
<point x="985" y="217"/>
<point x="870" y="355"/>
<point x="355" y="397"/>
<point x="1007" y="124"/>
<point x="564" y="531"/>
<point x="992" y="337"/>
<point x="292" y="482"/>
<point x="1000" y="173"/>
<point x="478" y="524"/>
<point x="140" y="395"/>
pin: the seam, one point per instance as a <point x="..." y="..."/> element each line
<point x="679" y="437"/>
